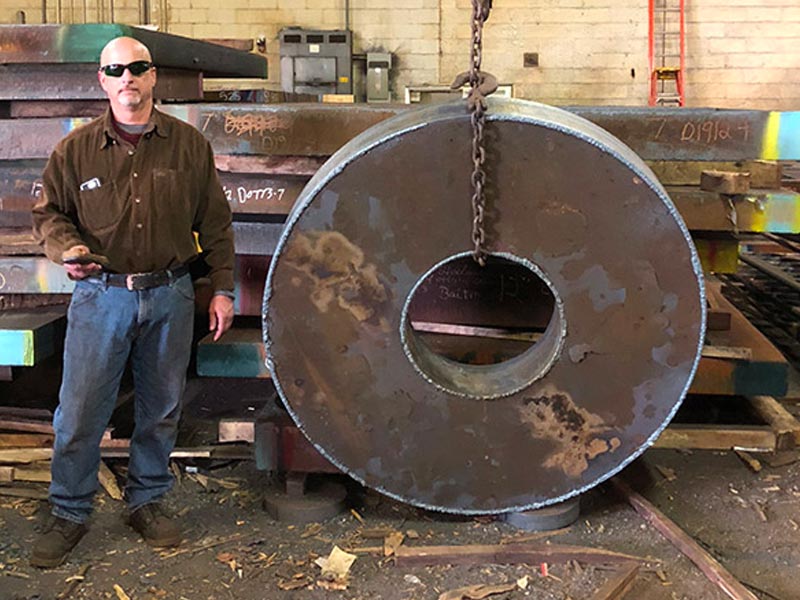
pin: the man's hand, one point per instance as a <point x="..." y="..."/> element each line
<point x="220" y="315"/>
<point x="78" y="270"/>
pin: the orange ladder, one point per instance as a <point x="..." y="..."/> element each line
<point x="667" y="51"/>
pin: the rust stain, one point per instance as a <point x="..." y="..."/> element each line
<point x="554" y="416"/>
<point x="338" y="273"/>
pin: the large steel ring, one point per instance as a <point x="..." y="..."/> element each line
<point x="567" y="201"/>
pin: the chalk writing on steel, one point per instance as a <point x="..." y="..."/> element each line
<point x="2" y="280"/>
<point x="252" y="124"/>
<point x="242" y="195"/>
<point x="36" y="189"/>
<point x="709" y="132"/>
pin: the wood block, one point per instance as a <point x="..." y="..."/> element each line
<point x="236" y="430"/>
<point x="24" y="492"/>
<point x="725" y="182"/>
<point x="32" y="473"/>
<point x="766" y="370"/>
<point x="26" y="440"/>
<point x="26" y="425"/>
<point x="763" y="173"/>
<point x="108" y="481"/>
<point x="717" y="318"/>
<point x="716" y="437"/>
<point x="783" y="423"/>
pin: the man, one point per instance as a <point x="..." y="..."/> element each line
<point x="121" y="199"/>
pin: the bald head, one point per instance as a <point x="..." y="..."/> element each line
<point x="124" y="50"/>
<point x="130" y="94"/>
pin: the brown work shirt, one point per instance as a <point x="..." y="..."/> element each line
<point x="137" y="206"/>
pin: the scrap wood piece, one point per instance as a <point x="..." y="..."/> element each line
<point x="26" y="440"/>
<point x="781" y="458"/>
<point x="121" y="595"/>
<point x="710" y="567"/>
<point x="108" y="480"/>
<point x="24" y="455"/>
<point x="73" y="581"/>
<point x="529" y="537"/>
<point x="33" y="473"/>
<point x="26" y="413"/>
<point x="752" y="462"/>
<point x="727" y="352"/>
<point x="377" y="550"/>
<point x="618" y="584"/>
<point x="335" y="569"/>
<point x="478" y="554"/>
<point x="667" y="473"/>
<point x="392" y="542"/>
<point x="782" y="422"/>
<point x="24" y="492"/>
<point x="30" y="425"/>
<point x="311" y="530"/>
<point x="478" y="592"/>
<point x="725" y="182"/>
<point x="716" y="437"/>
<point x="204" y="546"/>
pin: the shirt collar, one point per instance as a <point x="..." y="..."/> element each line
<point x="156" y="125"/>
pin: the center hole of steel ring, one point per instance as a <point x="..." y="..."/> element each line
<point x="483" y="332"/>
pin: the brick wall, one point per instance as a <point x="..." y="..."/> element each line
<point x="740" y="53"/>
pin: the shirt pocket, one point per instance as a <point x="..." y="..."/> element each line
<point x="100" y="207"/>
<point x="171" y="198"/>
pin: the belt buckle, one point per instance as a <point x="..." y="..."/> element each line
<point x="129" y="282"/>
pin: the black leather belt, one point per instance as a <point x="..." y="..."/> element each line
<point x="143" y="281"/>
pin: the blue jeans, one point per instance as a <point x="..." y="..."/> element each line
<point x="105" y="326"/>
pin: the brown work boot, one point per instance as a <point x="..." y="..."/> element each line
<point x="155" y="525"/>
<point x="58" y="538"/>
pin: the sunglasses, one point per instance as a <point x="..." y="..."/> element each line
<point x="136" y="68"/>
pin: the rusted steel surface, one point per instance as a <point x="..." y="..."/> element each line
<point x="79" y="82"/>
<point x="319" y="130"/>
<point x="259" y="239"/>
<point x="82" y="44"/>
<point x="274" y="165"/>
<point x="33" y="138"/>
<point x="250" y="273"/>
<point x="569" y="203"/>
<point x="700" y="133"/>
<point x="20" y="186"/>
<point x="40" y="109"/>
<point x="289" y="129"/>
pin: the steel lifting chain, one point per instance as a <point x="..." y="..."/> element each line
<point x="481" y="85"/>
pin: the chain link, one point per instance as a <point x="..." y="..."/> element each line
<point x="477" y="104"/>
